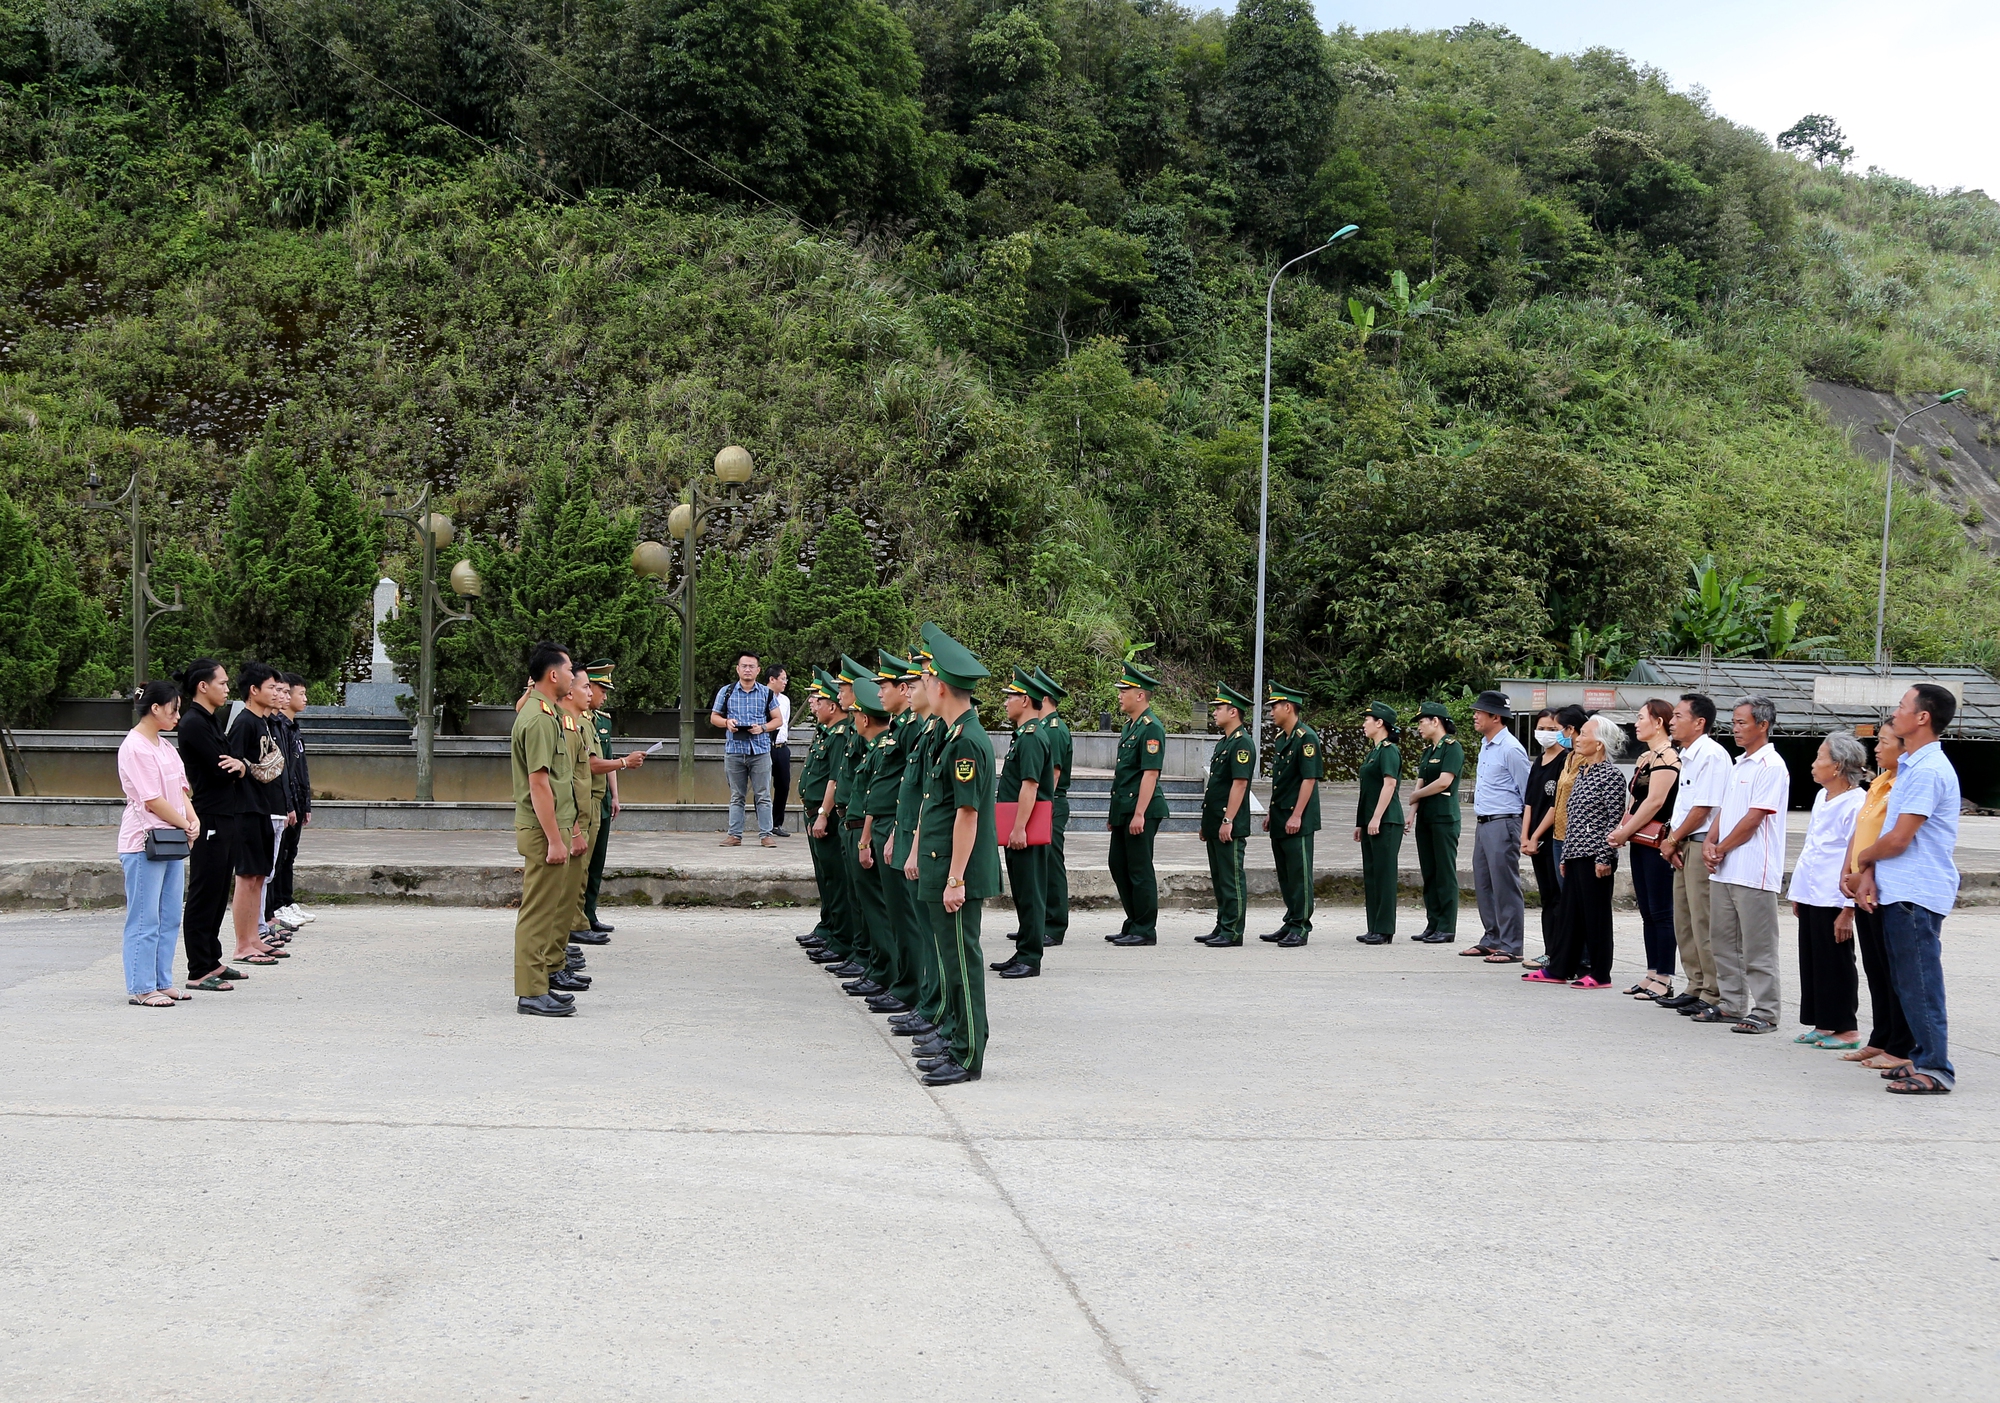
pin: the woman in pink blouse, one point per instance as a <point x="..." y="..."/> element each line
<point x="156" y="796"/>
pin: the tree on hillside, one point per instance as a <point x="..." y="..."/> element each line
<point x="1278" y="91"/>
<point x="58" y="642"/>
<point x="1818" y="138"/>
<point x="298" y="565"/>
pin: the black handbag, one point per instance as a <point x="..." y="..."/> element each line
<point x="166" y="844"/>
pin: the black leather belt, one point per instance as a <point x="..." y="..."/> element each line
<point x="856" y="822"/>
<point x="1494" y="818"/>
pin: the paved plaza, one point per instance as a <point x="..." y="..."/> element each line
<point x="1189" y="1174"/>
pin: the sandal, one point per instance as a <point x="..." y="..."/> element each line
<point x="178" y="996"/>
<point x="1538" y="962"/>
<point x="153" y="1000"/>
<point x="1861" y="1054"/>
<point x="213" y="984"/>
<point x="1501" y="957"/>
<point x="1541" y="976"/>
<point x="1753" y="1024"/>
<point x="1883" y="1062"/>
<point x="1477" y="950"/>
<point x="1809" y="1038"/>
<point x="227" y="973"/>
<point x="1590" y="981"/>
<point x="258" y="959"/>
<point x="1898" y="1072"/>
<point x="1832" y="1045"/>
<point x="1918" y="1084"/>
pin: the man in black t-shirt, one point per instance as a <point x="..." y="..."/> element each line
<point x="216" y="777"/>
<point x="267" y="804"/>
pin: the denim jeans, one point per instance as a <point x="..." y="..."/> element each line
<point x="152" y="921"/>
<point x="1917" y="968"/>
<point x="745" y="772"/>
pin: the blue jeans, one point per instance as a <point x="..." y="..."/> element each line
<point x="152" y="921"/>
<point x="1916" y="968"/>
<point x="746" y="772"/>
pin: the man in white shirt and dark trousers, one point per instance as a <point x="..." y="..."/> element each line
<point x="1745" y="856"/>
<point x="781" y="749"/>
<point x="1704" y="776"/>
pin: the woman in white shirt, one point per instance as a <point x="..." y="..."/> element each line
<point x="1828" y="989"/>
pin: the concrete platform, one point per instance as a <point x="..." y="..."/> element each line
<point x="1191" y="1176"/>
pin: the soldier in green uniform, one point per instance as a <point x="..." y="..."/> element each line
<point x="837" y="952"/>
<point x="1026" y="778"/>
<point x="823" y="697"/>
<point x="594" y="930"/>
<point x="871" y="723"/>
<point x="958" y="859"/>
<point x="1438" y="811"/>
<point x="932" y="1014"/>
<point x="1378" y="822"/>
<point x="545" y="832"/>
<point x="1137" y="808"/>
<point x="860" y="953"/>
<point x="896" y="678"/>
<point x="1062" y="746"/>
<point x="1297" y="766"/>
<point x="1225" y="814"/>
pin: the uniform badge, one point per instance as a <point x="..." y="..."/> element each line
<point x="548" y="710"/>
<point x="1152" y="747"/>
<point x="964" y="770"/>
<point x="1308" y="751"/>
<point x="1242" y="757"/>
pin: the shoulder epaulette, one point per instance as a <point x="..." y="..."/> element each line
<point x="547" y="710"/>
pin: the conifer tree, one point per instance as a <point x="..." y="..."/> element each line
<point x="57" y="642"/>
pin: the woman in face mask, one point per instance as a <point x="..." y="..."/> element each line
<point x="1568" y="720"/>
<point x="1540" y="844"/>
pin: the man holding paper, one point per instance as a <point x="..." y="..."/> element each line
<point x="1028" y="774"/>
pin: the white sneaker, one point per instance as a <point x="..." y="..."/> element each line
<point x="303" y="914"/>
<point x="294" y="914"/>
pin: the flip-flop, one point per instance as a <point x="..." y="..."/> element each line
<point x="1831" y="1046"/>
<point x="258" y="959"/>
<point x="213" y="984"/>
<point x="148" y="1001"/>
<point x="1809" y="1038"/>
<point x="1477" y="950"/>
<point x="1501" y="958"/>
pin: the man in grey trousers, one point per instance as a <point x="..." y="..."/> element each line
<point x="1499" y="798"/>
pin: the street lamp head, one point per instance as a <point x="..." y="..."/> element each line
<point x="650" y="558"/>
<point x="93" y="482"/>
<point x="388" y="492"/>
<point x="1949" y="395"/>
<point x="465" y="581"/>
<point x="680" y="521"/>
<point x="733" y="466"/>
<point x="1345" y="231"/>
<point x="439" y="528"/>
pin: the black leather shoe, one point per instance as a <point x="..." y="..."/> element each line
<point x="1225" y="942"/>
<point x="911" y="1017"/>
<point x="601" y="927"/>
<point x="862" y="988"/>
<point x="906" y="1030"/>
<point x="1374" y="938"/>
<point x="997" y="965"/>
<point x="1021" y="969"/>
<point x="887" y="1003"/>
<point x="573" y="962"/>
<point x="572" y="983"/>
<point x="1279" y="934"/>
<point x="562" y="998"/>
<point x="810" y="939"/>
<point x="1136" y="939"/>
<point x="821" y="955"/>
<point x="1677" y="1001"/>
<point x="1433" y="937"/>
<point x="543" y="1006"/>
<point x="1049" y="940"/>
<point x="931" y="1064"/>
<point x="1116" y="934"/>
<point x="930" y="1045"/>
<point x="1293" y="941"/>
<point x="589" y="937"/>
<point x="950" y="1074"/>
<point x="847" y="969"/>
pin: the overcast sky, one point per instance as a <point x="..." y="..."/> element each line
<point x="1910" y="83"/>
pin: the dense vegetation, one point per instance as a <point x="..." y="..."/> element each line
<point x="992" y="278"/>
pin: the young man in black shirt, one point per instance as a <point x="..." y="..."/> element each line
<point x="267" y="805"/>
<point x="216" y="777"/>
<point x="279" y="907"/>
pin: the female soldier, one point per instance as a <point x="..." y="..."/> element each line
<point x="1378" y="822"/>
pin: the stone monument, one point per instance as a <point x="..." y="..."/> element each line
<point x="378" y="694"/>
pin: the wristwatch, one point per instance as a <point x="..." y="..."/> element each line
<point x="954" y="881"/>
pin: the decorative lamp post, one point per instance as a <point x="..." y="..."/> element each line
<point x="733" y="468"/>
<point x="146" y="606"/>
<point x="434" y="533"/>
<point x="1346" y="231"/>
<point x="1888" y="497"/>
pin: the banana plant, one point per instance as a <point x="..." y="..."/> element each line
<point x="1407" y="306"/>
<point x="1363" y="318"/>
<point x="1781" y="634"/>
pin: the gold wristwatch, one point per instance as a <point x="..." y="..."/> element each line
<point x="954" y="882"/>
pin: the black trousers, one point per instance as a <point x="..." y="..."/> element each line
<point x="1892" y="1031"/>
<point x="211" y="883"/>
<point x="1828" y="985"/>
<point x="1584" y="944"/>
<point x="279" y="894"/>
<point x="781" y="783"/>
<point x="1548" y="886"/>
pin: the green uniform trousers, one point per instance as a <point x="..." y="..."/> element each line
<point x="1132" y="874"/>
<point x="1225" y="874"/>
<point x="1293" y="854"/>
<point x="932" y="996"/>
<point x="899" y="902"/>
<point x="1028" y="879"/>
<point x="1437" y="854"/>
<point x="830" y="871"/>
<point x="580" y="875"/>
<point x="596" y="879"/>
<point x="1055" y="910"/>
<point x="541" y="926"/>
<point x="964" y="974"/>
<point x="1378" y="876"/>
<point x="868" y="917"/>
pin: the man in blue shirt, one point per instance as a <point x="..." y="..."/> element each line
<point x="1909" y="876"/>
<point x="1499" y="797"/>
<point x="749" y="713"/>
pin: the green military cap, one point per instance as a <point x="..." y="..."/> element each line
<point x="1136" y="676"/>
<point x="868" y="698"/>
<point x="1280" y="693"/>
<point x="826" y="684"/>
<point x="1050" y="687"/>
<point x="1437" y="709"/>
<point x="954" y="663"/>
<point x="1226" y="695"/>
<point x="852" y="671"/>
<point x="1023" y="683"/>
<point x="599" y="673"/>
<point x="911" y="668"/>
<point x="890" y="668"/>
<point x="1385" y="713"/>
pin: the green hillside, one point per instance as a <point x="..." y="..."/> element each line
<point x="993" y="279"/>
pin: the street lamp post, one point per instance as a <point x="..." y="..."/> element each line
<point x="434" y="533"/>
<point x="146" y="606"/>
<point x="1346" y="231"/>
<point x="733" y="468"/>
<point x="1888" y="499"/>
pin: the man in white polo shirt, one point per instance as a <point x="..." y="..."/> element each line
<point x="1745" y="856"/>
<point x="1704" y="777"/>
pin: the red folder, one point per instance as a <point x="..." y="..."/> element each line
<point x="1041" y="823"/>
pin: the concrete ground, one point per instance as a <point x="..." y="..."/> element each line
<point x="1335" y="1172"/>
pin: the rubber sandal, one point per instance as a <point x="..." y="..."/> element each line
<point x="1831" y="1046"/>
<point x="179" y="996"/>
<point x="213" y="984"/>
<point x="1476" y="950"/>
<point x="1897" y="1073"/>
<point x="228" y="973"/>
<point x="1538" y="962"/>
<point x="1501" y="957"/>
<point x="1589" y="982"/>
<point x="149" y="1001"/>
<point x="1809" y="1038"/>
<point x="1541" y="976"/>
<point x="1754" y="1025"/>
<point x="258" y="959"/>
<point x="1918" y="1084"/>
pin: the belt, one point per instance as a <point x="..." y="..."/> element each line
<point x="1494" y="818"/>
<point x="856" y="822"/>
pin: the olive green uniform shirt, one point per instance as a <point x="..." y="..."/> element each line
<point x="1297" y="757"/>
<point x="1141" y="746"/>
<point x="879" y="780"/>
<point x="960" y="776"/>
<point x="1385" y="761"/>
<point x="918" y="743"/>
<point x="1029" y="761"/>
<point x="600" y="735"/>
<point x="818" y="771"/>
<point x="1233" y="760"/>
<point x="1062" y="748"/>
<point x="847" y="759"/>
<point x="1446" y="757"/>
<point x="538" y="742"/>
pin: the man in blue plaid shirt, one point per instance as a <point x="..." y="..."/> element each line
<point x="749" y="713"/>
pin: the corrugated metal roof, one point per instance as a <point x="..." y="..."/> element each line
<point x="1790" y="686"/>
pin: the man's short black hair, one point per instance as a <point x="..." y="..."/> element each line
<point x="1939" y="702"/>
<point x="1701" y="708"/>
<point x="774" y="669"/>
<point x="255" y="675"/>
<point x="292" y="679"/>
<point x="743" y="653"/>
<point x="544" y="656"/>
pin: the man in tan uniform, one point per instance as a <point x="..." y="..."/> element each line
<point x="547" y="833"/>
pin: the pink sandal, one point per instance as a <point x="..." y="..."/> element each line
<point x="1540" y="976"/>
<point x="1588" y="982"/>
